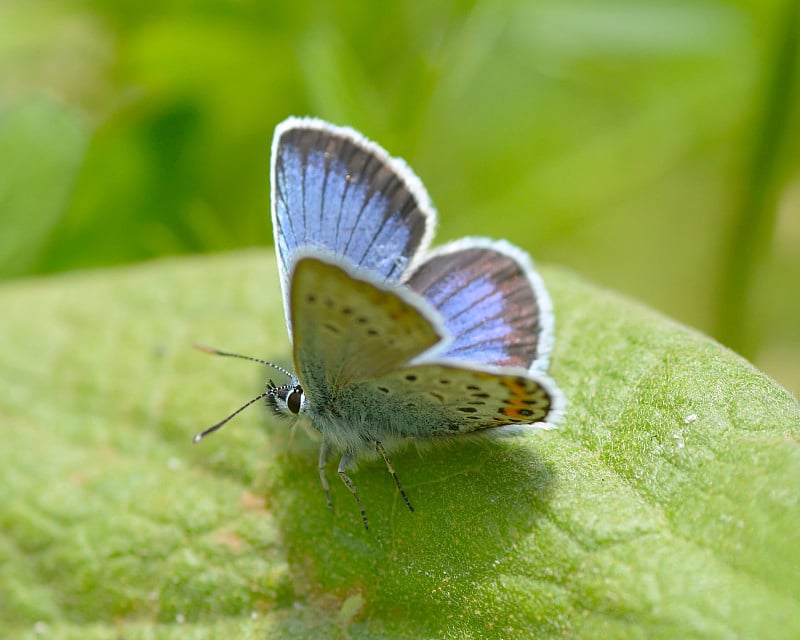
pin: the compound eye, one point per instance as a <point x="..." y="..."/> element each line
<point x="294" y="399"/>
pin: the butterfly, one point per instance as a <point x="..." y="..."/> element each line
<point x="392" y="342"/>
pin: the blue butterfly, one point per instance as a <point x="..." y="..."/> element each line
<point x="392" y="342"/>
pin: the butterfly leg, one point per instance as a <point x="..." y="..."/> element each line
<point x="324" y="456"/>
<point x="344" y="463"/>
<point x="390" y="466"/>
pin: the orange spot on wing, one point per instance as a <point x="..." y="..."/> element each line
<point x="519" y="399"/>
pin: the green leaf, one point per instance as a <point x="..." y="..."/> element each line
<point x="666" y="506"/>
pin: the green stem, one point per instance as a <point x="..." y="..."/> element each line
<point x="754" y="222"/>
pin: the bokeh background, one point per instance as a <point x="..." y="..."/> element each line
<point x="649" y="145"/>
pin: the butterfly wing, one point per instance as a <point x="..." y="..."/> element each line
<point x="493" y="303"/>
<point x="373" y="357"/>
<point x="335" y="191"/>
<point x="436" y="399"/>
<point x="348" y="328"/>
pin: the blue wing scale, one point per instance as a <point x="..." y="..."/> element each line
<point x="493" y="304"/>
<point x="334" y="191"/>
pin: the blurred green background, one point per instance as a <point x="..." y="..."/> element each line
<point x="649" y="145"/>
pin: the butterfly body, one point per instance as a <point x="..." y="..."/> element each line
<point x="393" y="343"/>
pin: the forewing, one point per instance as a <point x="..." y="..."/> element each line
<point x="334" y="190"/>
<point x="493" y="303"/>
<point x="442" y="399"/>
<point x="349" y="328"/>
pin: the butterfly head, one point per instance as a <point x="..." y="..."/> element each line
<point x="286" y="399"/>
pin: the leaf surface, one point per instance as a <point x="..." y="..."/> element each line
<point x="665" y="506"/>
